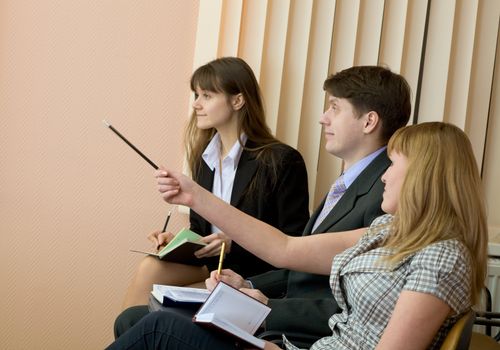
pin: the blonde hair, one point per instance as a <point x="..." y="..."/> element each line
<point x="441" y="197"/>
<point x="232" y="76"/>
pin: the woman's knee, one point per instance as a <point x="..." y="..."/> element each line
<point x="149" y="266"/>
<point x="150" y="270"/>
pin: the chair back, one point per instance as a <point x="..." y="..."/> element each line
<point x="459" y="336"/>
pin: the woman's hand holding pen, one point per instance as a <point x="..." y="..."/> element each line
<point x="227" y="276"/>
<point x="160" y="238"/>
<point x="256" y="294"/>
<point x="214" y="244"/>
<point x="234" y="280"/>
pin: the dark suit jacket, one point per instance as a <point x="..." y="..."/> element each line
<point x="305" y="300"/>
<point x="283" y="204"/>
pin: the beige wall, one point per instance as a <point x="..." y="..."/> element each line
<point x="73" y="197"/>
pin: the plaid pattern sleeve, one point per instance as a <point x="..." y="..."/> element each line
<point x="367" y="288"/>
<point x="444" y="270"/>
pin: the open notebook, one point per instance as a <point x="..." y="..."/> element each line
<point x="180" y="249"/>
<point x="233" y="312"/>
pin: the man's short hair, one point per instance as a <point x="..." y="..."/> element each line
<point x="374" y="88"/>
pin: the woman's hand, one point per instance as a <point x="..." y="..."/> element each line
<point x="227" y="276"/>
<point x="214" y="244"/>
<point x="256" y="294"/>
<point x="160" y="239"/>
<point x="176" y="188"/>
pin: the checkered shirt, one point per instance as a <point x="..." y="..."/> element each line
<point x="366" y="289"/>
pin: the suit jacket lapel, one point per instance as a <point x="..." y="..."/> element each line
<point x="312" y="219"/>
<point x="247" y="166"/>
<point x="359" y="187"/>
<point x="206" y="180"/>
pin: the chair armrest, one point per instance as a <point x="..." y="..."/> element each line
<point x="488" y="314"/>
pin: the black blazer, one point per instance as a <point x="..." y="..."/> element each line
<point x="283" y="204"/>
<point x="304" y="302"/>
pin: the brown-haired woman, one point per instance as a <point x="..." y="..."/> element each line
<point x="231" y="153"/>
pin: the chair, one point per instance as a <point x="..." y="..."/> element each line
<point x="488" y="319"/>
<point x="481" y="341"/>
<point x="486" y="341"/>
<point x="458" y="338"/>
<point x="460" y="334"/>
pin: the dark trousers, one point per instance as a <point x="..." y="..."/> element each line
<point x="128" y="318"/>
<point x="172" y="330"/>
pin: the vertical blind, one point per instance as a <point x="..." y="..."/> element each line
<point x="447" y="50"/>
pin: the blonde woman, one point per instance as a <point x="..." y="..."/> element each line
<point x="401" y="284"/>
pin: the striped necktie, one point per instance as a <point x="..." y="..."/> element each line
<point x="336" y="191"/>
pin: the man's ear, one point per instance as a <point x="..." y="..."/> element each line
<point x="237" y="101"/>
<point x="371" y="122"/>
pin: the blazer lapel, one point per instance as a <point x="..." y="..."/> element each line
<point x="206" y="177"/>
<point x="206" y="180"/>
<point x="359" y="187"/>
<point x="247" y="166"/>
<point x="312" y="219"/>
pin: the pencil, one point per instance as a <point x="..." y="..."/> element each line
<point x="166" y="221"/>
<point x="221" y="258"/>
<point x="130" y="144"/>
<point x="165" y="227"/>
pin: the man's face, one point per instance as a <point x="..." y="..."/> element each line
<point x="343" y="129"/>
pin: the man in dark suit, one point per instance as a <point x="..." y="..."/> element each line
<point x="366" y="106"/>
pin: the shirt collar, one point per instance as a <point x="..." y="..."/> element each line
<point x="212" y="152"/>
<point x="353" y="172"/>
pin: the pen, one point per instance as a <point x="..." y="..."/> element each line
<point x="165" y="226"/>
<point x="221" y="258"/>
<point x="130" y="144"/>
<point x="166" y="221"/>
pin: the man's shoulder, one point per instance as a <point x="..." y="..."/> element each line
<point x="381" y="161"/>
<point x="372" y="173"/>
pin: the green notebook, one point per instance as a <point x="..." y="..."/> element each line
<point x="180" y="249"/>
